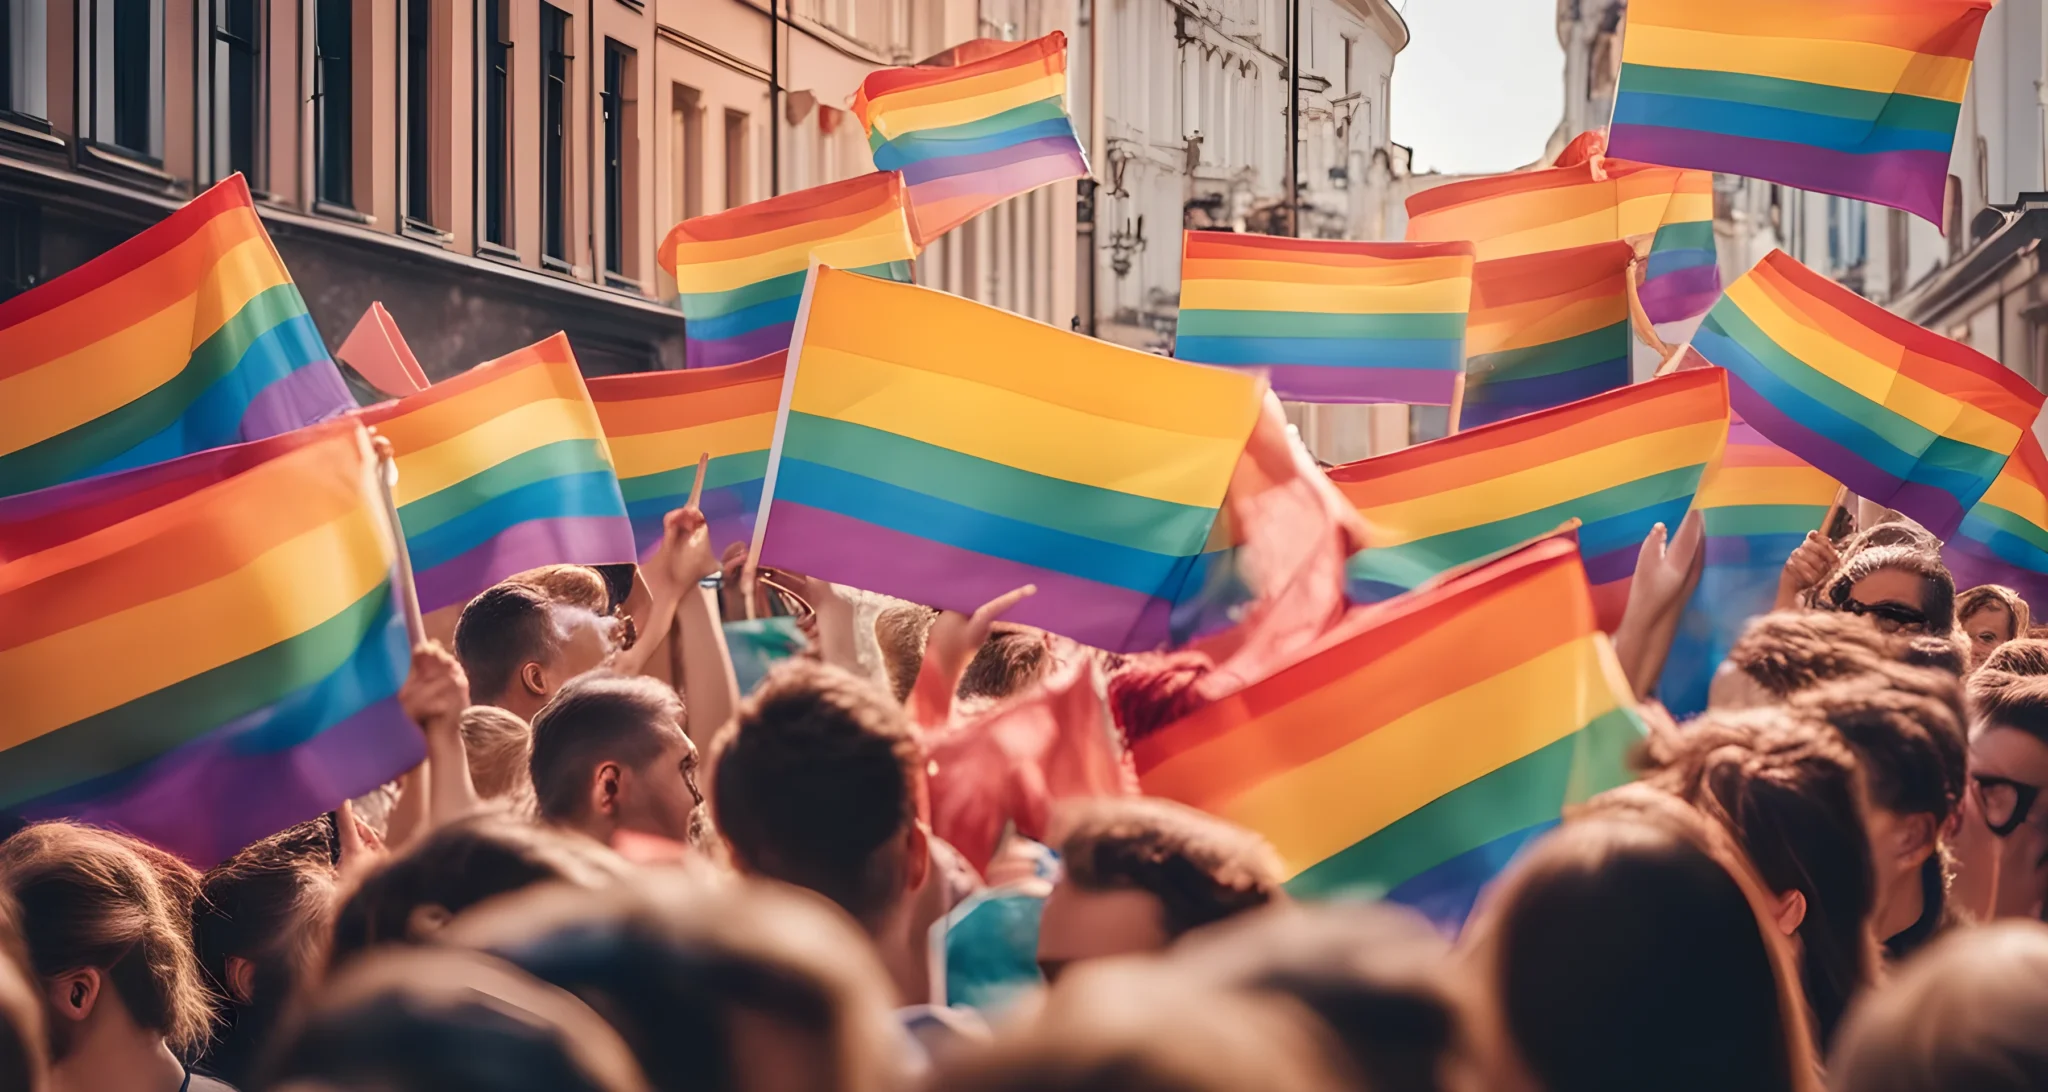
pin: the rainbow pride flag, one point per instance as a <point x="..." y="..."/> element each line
<point x="657" y="424"/>
<point x="1899" y="414"/>
<point x="1424" y="741"/>
<point x="204" y="656"/>
<point x="1852" y="97"/>
<point x="1619" y="462"/>
<point x="1328" y="320"/>
<point x="2004" y="538"/>
<point x="985" y="125"/>
<point x="939" y="450"/>
<point x="740" y="272"/>
<point x="1546" y="329"/>
<point x="1758" y="502"/>
<point x="502" y="469"/>
<point x="188" y="336"/>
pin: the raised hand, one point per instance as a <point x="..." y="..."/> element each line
<point x="1810" y="563"/>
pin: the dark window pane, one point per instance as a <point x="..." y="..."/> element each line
<point x="554" y="34"/>
<point x="335" y="115"/>
<point x="239" y="52"/>
<point x="133" y="91"/>
<point x="614" y="169"/>
<point x="418" y="28"/>
<point x="497" y="123"/>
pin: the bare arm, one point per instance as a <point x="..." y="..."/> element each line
<point x="434" y="696"/>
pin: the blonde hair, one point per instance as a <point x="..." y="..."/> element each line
<point x="572" y="585"/>
<point x="499" y="745"/>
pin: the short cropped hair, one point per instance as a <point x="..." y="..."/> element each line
<point x="2010" y="701"/>
<point x="2021" y="656"/>
<point x="499" y="746"/>
<point x="814" y="781"/>
<point x="1006" y="664"/>
<point x="503" y="629"/>
<point x="1937" y="587"/>
<point x="575" y="585"/>
<point x="900" y="634"/>
<point x="1789" y="650"/>
<point x="599" y="717"/>
<point x="1200" y="868"/>
<point x="1998" y="595"/>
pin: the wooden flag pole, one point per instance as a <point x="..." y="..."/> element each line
<point x="1457" y="405"/>
<point x="408" y="592"/>
<point x="697" y="486"/>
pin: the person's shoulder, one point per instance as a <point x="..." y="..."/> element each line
<point x="200" y="1082"/>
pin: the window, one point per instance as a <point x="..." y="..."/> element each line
<point x="686" y="125"/>
<point x="237" y="89"/>
<point x="419" y="104"/>
<point x="621" y="161"/>
<point x="1897" y="244"/>
<point x="1846" y="237"/>
<point x="126" y="54"/>
<point x="497" y="122"/>
<point x="554" y="136"/>
<point x="1350" y="46"/>
<point x="1426" y="423"/>
<point x="738" y="188"/>
<point x="334" y="104"/>
<point x="24" y="39"/>
<point x="1952" y="216"/>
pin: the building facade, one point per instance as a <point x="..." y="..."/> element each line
<point x="491" y="170"/>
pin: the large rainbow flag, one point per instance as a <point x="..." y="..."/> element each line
<point x="1546" y="329"/>
<point x="1899" y="414"/>
<point x="1619" y="462"/>
<point x="1758" y="503"/>
<point x="1328" y="320"/>
<point x="659" y="423"/>
<point x="1588" y="199"/>
<point x="905" y="465"/>
<point x="741" y="271"/>
<point x="501" y="469"/>
<point x="1418" y="746"/>
<point x="1852" y="97"/>
<point x="988" y="123"/>
<point x="186" y="337"/>
<point x="207" y="654"/>
<point x="2004" y="539"/>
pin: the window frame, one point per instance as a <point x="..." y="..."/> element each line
<point x="418" y="203"/>
<point x="556" y="74"/>
<point x="99" y="85"/>
<point x="496" y="211"/>
<point x="325" y="98"/>
<point x="28" y="67"/>
<point x="221" y="45"/>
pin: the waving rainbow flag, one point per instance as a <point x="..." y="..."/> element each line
<point x="206" y="654"/>
<point x="1758" y="502"/>
<point x="1327" y="320"/>
<point x="988" y="123"/>
<point x="1852" y="97"/>
<point x="740" y="272"/>
<point x="500" y="470"/>
<point x="1899" y="414"/>
<point x="2004" y="539"/>
<point x="1546" y="329"/>
<point x="188" y="336"/>
<point x="658" y="424"/>
<point x="1619" y="462"/>
<point x="937" y="449"/>
<point x="1414" y="749"/>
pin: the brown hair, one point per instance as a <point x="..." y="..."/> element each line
<point x="500" y="631"/>
<point x="1986" y="595"/>
<point x="598" y="717"/>
<point x="1010" y="660"/>
<point x="2019" y="656"/>
<point x="499" y="746"/>
<point x="1967" y="1014"/>
<point x="1200" y="868"/>
<point x="813" y="782"/>
<point x="573" y="585"/>
<point x="1937" y="587"/>
<point x="23" y="1047"/>
<point x="900" y="634"/>
<point x="93" y="898"/>
<point x="1788" y="790"/>
<point x="2010" y="701"/>
<point x="1789" y="650"/>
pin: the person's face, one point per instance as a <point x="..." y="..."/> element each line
<point x="584" y="642"/>
<point x="1079" y="925"/>
<point x="2008" y="771"/>
<point x="1988" y="626"/>
<point x="662" y="798"/>
<point x="1892" y="599"/>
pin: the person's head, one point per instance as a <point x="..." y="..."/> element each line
<point x="1007" y="663"/>
<point x="575" y="585"/>
<point x="1991" y="615"/>
<point x="446" y="1020"/>
<point x="518" y="646"/>
<point x="1784" y="652"/>
<point x="109" y="940"/>
<point x="739" y="987"/>
<point x="1140" y="873"/>
<point x="24" y="1045"/>
<point x="257" y="926"/>
<point x="1904" y="589"/>
<point x="2008" y="775"/>
<point x="415" y="893"/>
<point x="1968" y="1014"/>
<point x="1629" y="950"/>
<point x="2021" y="656"/>
<point x="818" y="782"/>
<point x="499" y="746"/>
<point x="610" y="754"/>
<point x="1153" y="690"/>
<point x="1791" y="793"/>
<point x="900" y="635"/>
<point x="1893" y="530"/>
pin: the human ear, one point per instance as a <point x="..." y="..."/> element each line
<point x="1791" y="911"/>
<point x="74" y="994"/>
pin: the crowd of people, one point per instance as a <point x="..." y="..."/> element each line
<point x="616" y="873"/>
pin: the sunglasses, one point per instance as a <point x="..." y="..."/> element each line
<point x="1890" y="617"/>
<point x="2006" y="803"/>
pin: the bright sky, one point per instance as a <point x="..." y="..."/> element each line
<point x="1480" y="86"/>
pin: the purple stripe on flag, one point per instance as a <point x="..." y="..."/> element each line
<point x="307" y="395"/>
<point x="580" y="540"/>
<point x="1972" y="563"/>
<point x="1910" y="180"/>
<point x="1863" y="477"/>
<point x="1000" y="183"/>
<point x="1310" y="383"/>
<point x="1063" y="147"/>
<point x="1681" y="294"/>
<point x="207" y="799"/>
<point x="751" y="345"/>
<point x="844" y="550"/>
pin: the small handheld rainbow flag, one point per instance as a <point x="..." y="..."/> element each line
<point x="970" y="133"/>
<point x="741" y="271"/>
<point x="1852" y="97"/>
<point x="1546" y="329"/>
<point x="1413" y="750"/>
<point x="1328" y="321"/>
<point x="503" y="469"/>
<point x="937" y="449"/>
<point x="1899" y="414"/>
<point x="245" y="596"/>
<point x="658" y="424"/>
<point x="1619" y="462"/>
<point x="188" y="336"/>
<point x="1758" y="502"/>
<point x="2004" y="539"/>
